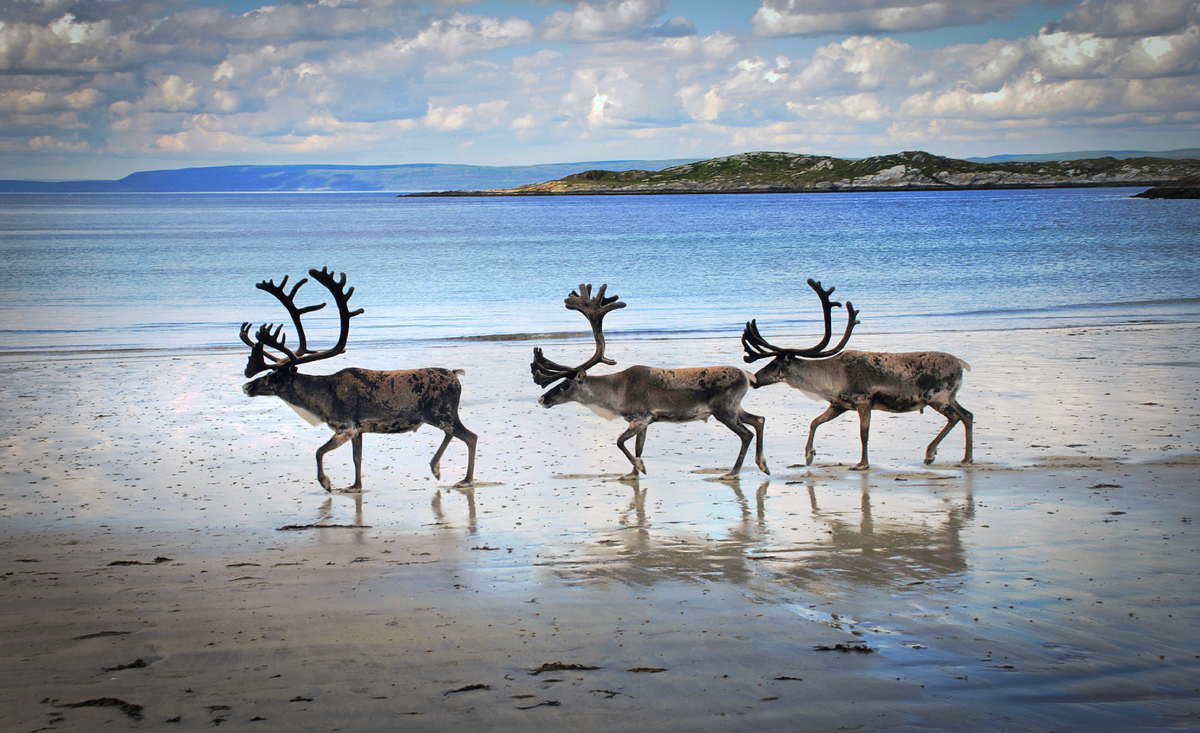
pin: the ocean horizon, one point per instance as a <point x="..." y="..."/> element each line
<point x="177" y="271"/>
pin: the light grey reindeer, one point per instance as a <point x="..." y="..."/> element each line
<point x="645" y="395"/>
<point x="353" y="401"/>
<point x="863" y="380"/>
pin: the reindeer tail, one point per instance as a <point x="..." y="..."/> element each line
<point x="963" y="364"/>
<point x="461" y="372"/>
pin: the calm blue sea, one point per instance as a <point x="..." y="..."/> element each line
<point x="178" y="271"/>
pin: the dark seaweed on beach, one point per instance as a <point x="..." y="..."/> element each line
<point x="136" y="664"/>
<point x="292" y="527"/>
<point x="468" y="688"/>
<point x="542" y="704"/>
<point x="132" y="710"/>
<point x="647" y="670"/>
<point x="121" y="563"/>
<point x="100" y="634"/>
<point x="610" y="694"/>
<point x="839" y="647"/>
<point x="560" y="667"/>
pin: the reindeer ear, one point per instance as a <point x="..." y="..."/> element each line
<point x="580" y="375"/>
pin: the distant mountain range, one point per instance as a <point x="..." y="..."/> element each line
<point x="1192" y="153"/>
<point x="433" y="176"/>
<point x="294" y="178"/>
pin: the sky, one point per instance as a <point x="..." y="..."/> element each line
<point x="97" y="89"/>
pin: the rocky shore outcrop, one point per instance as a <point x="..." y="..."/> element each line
<point x="770" y="172"/>
<point x="1184" y="188"/>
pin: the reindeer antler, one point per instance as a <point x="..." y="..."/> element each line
<point x="759" y="348"/>
<point x="270" y="336"/>
<point x="289" y="302"/>
<point x="546" y="372"/>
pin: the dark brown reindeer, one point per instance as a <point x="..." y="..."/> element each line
<point x="645" y="395"/>
<point x="353" y="401"/>
<point x="863" y="380"/>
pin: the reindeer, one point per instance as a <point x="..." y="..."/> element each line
<point x="645" y="395"/>
<point x="353" y="401"/>
<point x="863" y="380"/>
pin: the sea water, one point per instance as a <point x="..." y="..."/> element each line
<point x="178" y="271"/>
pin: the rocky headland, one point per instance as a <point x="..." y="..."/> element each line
<point x="773" y="172"/>
<point x="1184" y="188"/>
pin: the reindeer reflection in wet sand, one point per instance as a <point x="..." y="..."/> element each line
<point x="863" y="380"/>
<point x="645" y="395"/>
<point x="353" y="401"/>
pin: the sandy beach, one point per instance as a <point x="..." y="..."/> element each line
<point x="169" y="561"/>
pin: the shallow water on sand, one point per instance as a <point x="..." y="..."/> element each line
<point x="1050" y="585"/>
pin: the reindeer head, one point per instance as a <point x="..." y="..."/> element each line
<point x="546" y="372"/>
<point x="269" y="349"/>
<point x="785" y="360"/>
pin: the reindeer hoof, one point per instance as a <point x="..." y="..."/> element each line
<point x="808" y="458"/>
<point x="325" y="483"/>
<point x="437" y="470"/>
<point x="861" y="467"/>
<point x="465" y="484"/>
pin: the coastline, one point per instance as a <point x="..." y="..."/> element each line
<point x="775" y="172"/>
<point x="738" y="190"/>
<point x="1052" y="584"/>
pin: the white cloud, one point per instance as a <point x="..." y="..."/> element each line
<point x="1129" y="18"/>
<point x="481" y="116"/>
<point x="817" y="17"/>
<point x="465" y="34"/>
<point x="172" y="94"/>
<point x="55" y="145"/>
<point x="856" y="108"/>
<point x="591" y="21"/>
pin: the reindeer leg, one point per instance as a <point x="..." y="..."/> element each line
<point x="953" y="413"/>
<point x="864" y="432"/>
<point x="734" y="423"/>
<point x="356" y="443"/>
<point x="436" y="464"/>
<point x="336" y="441"/>
<point x="952" y="419"/>
<point x="830" y="413"/>
<point x="635" y="427"/>
<point x="639" y="443"/>
<point x="968" y="420"/>
<point x="758" y="424"/>
<point x="466" y="436"/>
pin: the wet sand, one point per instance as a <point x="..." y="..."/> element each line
<point x="160" y="571"/>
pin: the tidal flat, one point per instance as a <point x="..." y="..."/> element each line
<point x="170" y="562"/>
